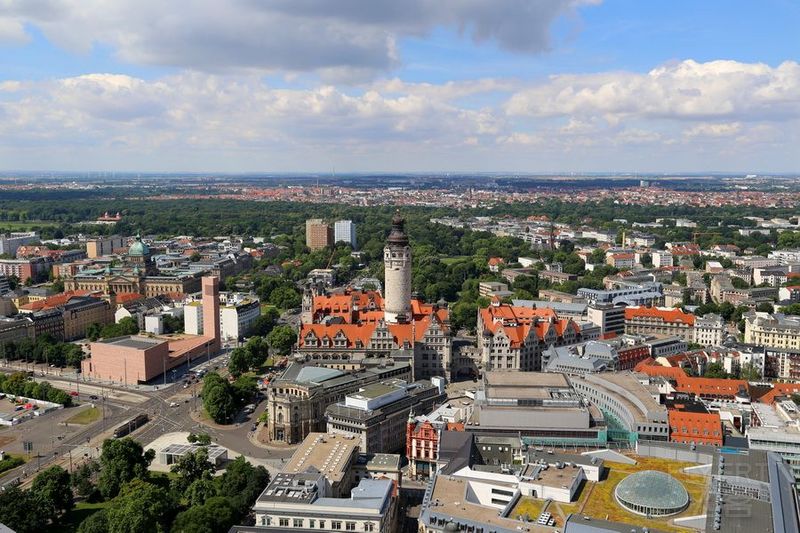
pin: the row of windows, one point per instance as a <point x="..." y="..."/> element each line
<point x="313" y="523"/>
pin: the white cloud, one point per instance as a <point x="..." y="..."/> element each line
<point x="341" y="39"/>
<point x="717" y="90"/>
<point x="12" y="31"/>
<point x="705" y="129"/>
<point x="198" y="121"/>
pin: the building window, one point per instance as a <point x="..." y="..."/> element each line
<point x="283" y="522"/>
<point x="350" y="526"/>
<point x="297" y="522"/>
<point x="336" y="525"/>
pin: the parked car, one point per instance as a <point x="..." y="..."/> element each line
<point x="94" y="397"/>
<point x="73" y="393"/>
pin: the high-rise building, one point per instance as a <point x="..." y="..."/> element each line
<point x="211" y="327"/>
<point x="319" y="235"/>
<point x="345" y="231"/>
<point x="397" y="273"/>
<point x="10" y="242"/>
<point x="101" y="246"/>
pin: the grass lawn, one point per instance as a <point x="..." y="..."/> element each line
<point x="79" y="513"/>
<point x="603" y="505"/>
<point x="449" y="260"/>
<point x="527" y="506"/>
<point x="22" y="226"/>
<point x="12" y="461"/>
<point x="87" y="416"/>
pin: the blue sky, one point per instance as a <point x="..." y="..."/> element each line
<point x="421" y="85"/>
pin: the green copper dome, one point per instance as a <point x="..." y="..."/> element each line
<point x="138" y="248"/>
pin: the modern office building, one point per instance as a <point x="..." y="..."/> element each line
<point x="319" y="235"/>
<point x="298" y="398"/>
<point x="345" y="231"/>
<point x="376" y="415"/>
<point x="100" y="246"/>
<point x="328" y="485"/>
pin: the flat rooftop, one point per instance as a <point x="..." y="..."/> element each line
<point x="137" y="342"/>
<point x="449" y="498"/>
<point x="294" y="488"/>
<point x="330" y="454"/>
<point x="525" y="379"/>
<point x="526" y="385"/>
<point x="552" y="476"/>
<point x="379" y="461"/>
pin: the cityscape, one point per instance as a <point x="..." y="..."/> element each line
<point x="262" y="269"/>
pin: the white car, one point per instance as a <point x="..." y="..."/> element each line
<point x="173" y="404"/>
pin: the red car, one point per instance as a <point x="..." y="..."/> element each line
<point x="73" y="393"/>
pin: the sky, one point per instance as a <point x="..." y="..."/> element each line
<point x="539" y="86"/>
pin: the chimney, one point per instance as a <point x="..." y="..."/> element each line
<point x="211" y="310"/>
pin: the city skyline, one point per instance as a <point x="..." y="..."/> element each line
<point x="562" y="86"/>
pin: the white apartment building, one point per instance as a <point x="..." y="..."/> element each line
<point x="662" y="258"/>
<point x="774" y="330"/>
<point x="193" y="318"/>
<point x="709" y="330"/>
<point x="345" y="231"/>
<point x="237" y="319"/>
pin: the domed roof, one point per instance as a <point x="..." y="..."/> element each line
<point x="398" y="234"/>
<point x="658" y="492"/>
<point x="138" y="248"/>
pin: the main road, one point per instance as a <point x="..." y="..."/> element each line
<point x="168" y="409"/>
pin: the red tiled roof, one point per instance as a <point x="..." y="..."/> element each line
<point x="517" y="322"/>
<point x="687" y="426"/>
<point x="711" y="386"/>
<point x="667" y="315"/>
<point x="780" y="389"/>
<point x="125" y="297"/>
<point x="56" y="301"/>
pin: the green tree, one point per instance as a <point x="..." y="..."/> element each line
<point x="199" y="491"/>
<point x="191" y="467"/>
<point x="281" y="339"/>
<point x="257" y="349"/>
<point x="464" y="315"/>
<point x="285" y="298"/>
<point x="53" y="492"/>
<point x="121" y="461"/>
<point x="739" y="283"/>
<point x="765" y="307"/>
<point x="82" y="479"/>
<point x="715" y="370"/>
<point x="218" y="398"/>
<point x="750" y="372"/>
<point x="95" y="523"/>
<point x="264" y="324"/>
<point x="216" y="514"/>
<point x="140" y="507"/>
<point x="239" y="362"/>
<point x="19" y="509"/>
<point x="242" y="482"/>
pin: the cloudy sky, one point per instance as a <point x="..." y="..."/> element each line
<point x="400" y="85"/>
